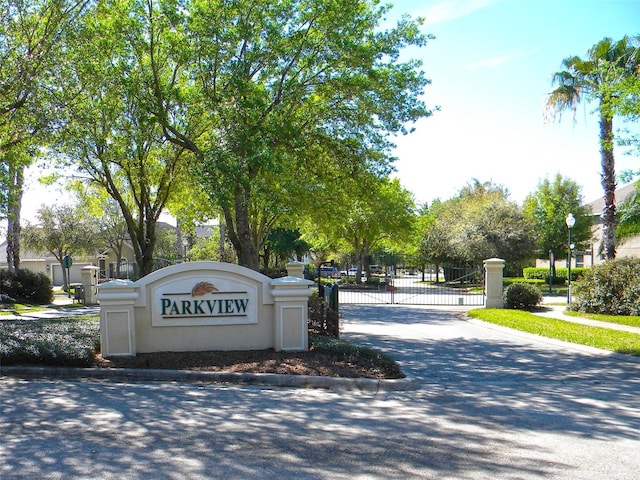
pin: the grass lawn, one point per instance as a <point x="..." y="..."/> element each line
<point x="599" y="337"/>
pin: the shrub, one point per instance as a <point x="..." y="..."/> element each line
<point x="356" y="355"/>
<point x="26" y="286"/>
<point x="560" y="277"/>
<point x="522" y="296"/>
<point x="68" y="342"/>
<point x="322" y="319"/>
<point x="612" y="288"/>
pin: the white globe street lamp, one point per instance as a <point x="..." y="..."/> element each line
<point x="570" y="221"/>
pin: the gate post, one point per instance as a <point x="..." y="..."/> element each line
<point x="493" y="282"/>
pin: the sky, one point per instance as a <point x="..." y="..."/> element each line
<point x="490" y="66"/>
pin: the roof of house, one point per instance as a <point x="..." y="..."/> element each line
<point x="597" y="206"/>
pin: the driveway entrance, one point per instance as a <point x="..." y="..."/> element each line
<point x="450" y="286"/>
<point x="493" y="403"/>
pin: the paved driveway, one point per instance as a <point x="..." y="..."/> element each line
<point x="493" y="405"/>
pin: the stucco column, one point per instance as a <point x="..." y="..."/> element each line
<point x="117" y="318"/>
<point x="493" y="282"/>
<point x="291" y="304"/>
<point x="89" y="275"/>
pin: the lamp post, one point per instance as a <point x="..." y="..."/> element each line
<point x="185" y="247"/>
<point x="570" y="221"/>
<point x="551" y="262"/>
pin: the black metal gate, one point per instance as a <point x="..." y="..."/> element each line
<point x="446" y="285"/>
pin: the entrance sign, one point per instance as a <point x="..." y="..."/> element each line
<point x="201" y="300"/>
<point x="200" y="306"/>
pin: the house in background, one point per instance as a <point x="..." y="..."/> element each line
<point x="106" y="261"/>
<point x="47" y="264"/>
<point x="625" y="248"/>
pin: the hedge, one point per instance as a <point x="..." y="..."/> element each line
<point x="561" y="276"/>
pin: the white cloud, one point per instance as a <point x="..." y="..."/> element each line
<point x="494" y="61"/>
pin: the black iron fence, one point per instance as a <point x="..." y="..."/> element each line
<point x="432" y="285"/>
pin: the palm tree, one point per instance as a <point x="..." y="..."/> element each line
<point x="596" y="78"/>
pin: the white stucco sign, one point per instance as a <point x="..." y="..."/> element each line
<point x="199" y="306"/>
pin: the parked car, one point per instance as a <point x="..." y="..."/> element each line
<point x="329" y="272"/>
<point x="375" y="269"/>
<point x="352" y="272"/>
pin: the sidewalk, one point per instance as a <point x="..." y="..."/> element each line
<point x="62" y="306"/>
<point x="556" y="306"/>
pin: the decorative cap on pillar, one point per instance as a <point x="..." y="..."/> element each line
<point x="295" y="269"/>
<point x="494" y="262"/>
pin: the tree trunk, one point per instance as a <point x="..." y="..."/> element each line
<point x="147" y="241"/>
<point x="239" y="232"/>
<point x="14" y="205"/>
<point x="608" y="180"/>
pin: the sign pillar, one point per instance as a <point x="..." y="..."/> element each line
<point x="291" y="304"/>
<point x="117" y="318"/>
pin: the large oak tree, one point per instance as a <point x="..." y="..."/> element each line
<point x="274" y="96"/>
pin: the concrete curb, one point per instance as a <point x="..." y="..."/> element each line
<point x="362" y="385"/>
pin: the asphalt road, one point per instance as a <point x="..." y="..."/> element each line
<point x="492" y="404"/>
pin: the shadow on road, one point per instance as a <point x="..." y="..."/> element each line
<point x="492" y="406"/>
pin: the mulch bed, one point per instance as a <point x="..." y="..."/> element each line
<point x="252" y="361"/>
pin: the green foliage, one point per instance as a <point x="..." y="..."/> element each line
<point x="611" y="288"/>
<point x="559" y="278"/>
<point x="374" y="217"/>
<point x="607" y="76"/>
<point x="629" y="215"/>
<point x="323" y="320"/>
<point x="533" y="281"/>
<point x="64" y="342"/>
<point x="480" y="223"/>
<point x="62" y="230"/>
<point x="26" y="286"/>
<point x="6" y="299"/>
<point x="282" y="244"/>
<point x="548" y="207"/>
<point x="522" y="296"/>
<point x="311" y="96"/>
